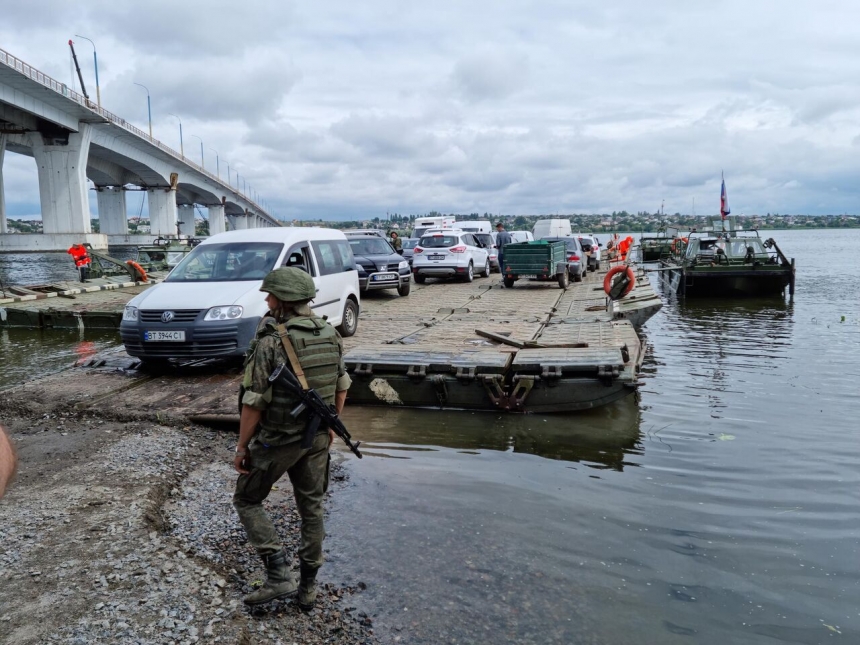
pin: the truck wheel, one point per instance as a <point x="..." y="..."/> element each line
<point x="420" y="279"/>
<point x="508" y="282"/>
<point x="349" y="322"/>
<point x="470" y="274"/>
<point x="563" y="279"/>
<point x="403" y="289"/>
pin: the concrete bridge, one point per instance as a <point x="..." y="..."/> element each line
<point x="72" y="140"/>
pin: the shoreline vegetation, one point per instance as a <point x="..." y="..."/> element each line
<point x="643" y="222"/>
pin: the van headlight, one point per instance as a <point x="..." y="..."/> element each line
<point x="130" y="313"/>
<point x="403" y="265"/>
<point x="227" y="312"/>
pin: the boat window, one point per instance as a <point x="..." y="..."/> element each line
<point x="376" y="246"/>
<point x="229" y="262"/>
<point x="438" y="241"/>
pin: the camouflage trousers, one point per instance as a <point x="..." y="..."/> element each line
<point x="308" y="473"/>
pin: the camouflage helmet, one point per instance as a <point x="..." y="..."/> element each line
<point x="289" y="284"/>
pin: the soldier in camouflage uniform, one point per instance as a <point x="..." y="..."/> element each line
<point x="269" y="438"/>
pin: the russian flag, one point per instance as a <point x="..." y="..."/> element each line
<point x="724" y="201"/>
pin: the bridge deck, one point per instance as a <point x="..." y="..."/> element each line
<point x="421" y="350"/>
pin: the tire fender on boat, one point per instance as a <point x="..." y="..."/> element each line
<point x="138" y="270"/>
<point x="631" y="280"/>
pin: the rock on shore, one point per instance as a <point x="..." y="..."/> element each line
<point x="125" y="533"/>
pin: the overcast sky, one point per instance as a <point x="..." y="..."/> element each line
<point x="346" y="109"/>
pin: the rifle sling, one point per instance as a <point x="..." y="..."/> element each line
<point x="291" y="355"/>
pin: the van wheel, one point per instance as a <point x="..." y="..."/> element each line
<point x="486" y="272"/>
<point x="349" y="323"/>
<point x="403" y="289"/>
<point x="420" y="279"/>
<point x="470" y="273"/>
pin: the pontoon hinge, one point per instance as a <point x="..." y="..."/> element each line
<point x="438" y="381"/>
<point x="364" y="369"/>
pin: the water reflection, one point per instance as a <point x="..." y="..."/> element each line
<point x="41" y="268"/>
<point x="600" y="438"/>
<point x="30" y="353"/>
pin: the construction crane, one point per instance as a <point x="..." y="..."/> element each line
<point x="78" y="67"/>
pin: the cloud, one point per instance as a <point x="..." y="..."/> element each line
<point x="490" y="75"/>
<point x="347" y="108"/>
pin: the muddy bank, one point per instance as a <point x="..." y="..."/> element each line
<point x="123" y="532"/>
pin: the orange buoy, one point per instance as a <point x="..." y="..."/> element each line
<point x="631" y="280"/>
<point x="138" y="270"/>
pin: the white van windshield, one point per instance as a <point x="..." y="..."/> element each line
<point x="229" y="262"/>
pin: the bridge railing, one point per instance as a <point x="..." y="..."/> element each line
<point x="61" y="88"/>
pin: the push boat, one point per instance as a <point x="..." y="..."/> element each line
<point x="727" y="261"/>
<point x="652" y="248"/>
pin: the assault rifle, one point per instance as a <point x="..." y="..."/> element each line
<point x="322" y="414"/>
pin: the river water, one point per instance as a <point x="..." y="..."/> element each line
<point x="722" y="506"/>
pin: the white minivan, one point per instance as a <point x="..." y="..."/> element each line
<point x="210" y="304"/>
<point x="475" y="226"/>
<point x="551" y="228"/>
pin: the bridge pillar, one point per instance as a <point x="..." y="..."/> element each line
<point x="217" y="223"/>
<point x="162" y="211"/>
<point x="63" y="182"/>
<point x="186" y="219"/>
<point x="113" y="217"/>
<point x="243" y="222"/>
<point x="3" y="225"/>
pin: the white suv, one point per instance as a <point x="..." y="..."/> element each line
<point x="446" y="253"/>
<point x="592" y="250"/>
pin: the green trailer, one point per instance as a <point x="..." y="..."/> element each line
<point x="538" y="260"/>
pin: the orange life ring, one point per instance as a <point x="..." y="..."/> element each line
<point x="675" y="243"/>
<point x="607" y="281"/>
<point x="138" y="269"/>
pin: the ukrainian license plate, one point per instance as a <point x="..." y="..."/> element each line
<point x="435" y="257"/>
<point x="526" y="276"/>
<point x="164" y="336"/>
<point x="384" y="276"/>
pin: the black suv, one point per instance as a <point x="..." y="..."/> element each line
<point x="379" y="266"/>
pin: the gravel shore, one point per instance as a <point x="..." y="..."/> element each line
<point x="124" y="532"/>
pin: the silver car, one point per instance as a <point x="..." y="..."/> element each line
<point x="408" y="246"/>
<point x="449" y="253"/>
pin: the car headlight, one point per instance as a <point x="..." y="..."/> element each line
<point x="227" y="312"/>
<point x="403" y="265"/>
<point x="361" y="268"/>
<point x="130" y="313"/>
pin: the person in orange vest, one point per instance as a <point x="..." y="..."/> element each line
<point x="82" y="260"/>
<point x="623" y="247"/>
<point x="628" y="241"/>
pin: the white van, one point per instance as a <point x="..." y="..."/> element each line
<point x="422" y="224"/>
<point x="551" y="228"/>
<point x="521" y="236"/>
<point x="210" y="304"/>
<point x="475" y="226"/>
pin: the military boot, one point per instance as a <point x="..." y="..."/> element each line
<point x="307" y="597"/>
<point x="280" y="582"/>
